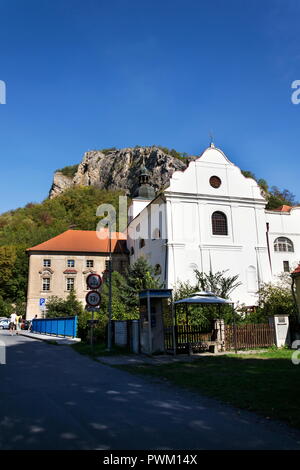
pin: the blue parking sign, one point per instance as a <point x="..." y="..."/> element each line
<point x="42" y="302"/>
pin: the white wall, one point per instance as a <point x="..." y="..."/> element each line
<point x="284" y="224"/>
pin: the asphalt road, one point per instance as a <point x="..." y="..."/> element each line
<point x="53" y="398"/>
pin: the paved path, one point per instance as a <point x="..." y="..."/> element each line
<point x="50" y="338"/>
<point x="53" y="398"/>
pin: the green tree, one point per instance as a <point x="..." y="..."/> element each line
<point x="277" y="198"/>
<point x="217" y="283"/>
<point x="139" y="276"/>
<point x="120" y="309"/>
<point x="275" y="299"/>
<point x="58" y="307"/>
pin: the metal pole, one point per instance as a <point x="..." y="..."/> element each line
<point x="234" y="330"/>
<point x="109" y="342"/>
<point x="92" y="328"/>
<point x="149" y="322"/>
<point x="173" y="328"/>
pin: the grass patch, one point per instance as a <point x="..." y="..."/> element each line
<point x="69" y="171"/>
<point x="267" y="383"/>
<point x="98" y="350"/>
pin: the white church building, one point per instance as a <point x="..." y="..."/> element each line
<point x="212" y="218"/>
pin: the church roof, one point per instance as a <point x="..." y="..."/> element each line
<point x="83" y="241"/>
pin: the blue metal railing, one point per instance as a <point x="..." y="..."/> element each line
<point x="62" y="326"/>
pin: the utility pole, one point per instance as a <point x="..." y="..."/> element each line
<point x="109" y="342"/>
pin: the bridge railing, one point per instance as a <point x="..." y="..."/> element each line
<point x="62" y="326"/>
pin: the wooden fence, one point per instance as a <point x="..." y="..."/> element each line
<point x="186" y="335"/>
<point x="249" y="336"/>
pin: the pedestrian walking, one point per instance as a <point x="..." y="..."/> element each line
<point x="12" y="324"/>
<point x="30" y="324"/>
<point x="18" y="323"/>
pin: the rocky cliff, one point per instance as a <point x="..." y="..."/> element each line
<point x="119" y="169"/>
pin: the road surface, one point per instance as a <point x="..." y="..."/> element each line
<point x="53" y="398"/>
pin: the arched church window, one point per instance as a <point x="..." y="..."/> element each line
<point x="219" y="223"/>
<point x="282" y="244"/>
<point x="132" y="251"/>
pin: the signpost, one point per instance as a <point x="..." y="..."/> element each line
<point x="94" y="281"/>
<point x="93" y="298"/>
<point x="42" y="304"/>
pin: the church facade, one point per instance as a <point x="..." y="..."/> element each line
<point x="212" y="218"/>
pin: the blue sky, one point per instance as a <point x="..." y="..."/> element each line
<point x="92" y="74"/>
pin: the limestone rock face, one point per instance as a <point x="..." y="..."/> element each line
<point x="119" y="170"/>
<point x="60" y="184"/>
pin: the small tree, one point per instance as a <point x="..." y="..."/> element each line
<point x="217" y="283"/>
<point x="275" y="299"/>
<point x="120" y="309"/>
<point x="139" y="276"/>
<point x="58" y="307"/>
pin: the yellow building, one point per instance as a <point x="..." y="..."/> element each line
<point x="63" y="263"/>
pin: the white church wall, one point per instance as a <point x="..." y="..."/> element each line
<point x="284" y="224"/>
<point x="150" y="227"/>
<point x="243" y="251"/>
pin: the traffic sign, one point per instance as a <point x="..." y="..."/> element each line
<point x="42" y="302"/>
<point x="94" y="281"/>
<point x="93" y="298"/>
<point x="91" y="309"/>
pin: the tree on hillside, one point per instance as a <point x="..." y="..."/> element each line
<point x="277" y="198"/>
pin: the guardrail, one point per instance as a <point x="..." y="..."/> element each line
<point x="62" y="326"/>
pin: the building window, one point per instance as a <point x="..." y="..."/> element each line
<point x="215" y="182"/>
<point x="47" y="263"/>
<point x="131" y="251"/>
<point x="219" y="223"/>
<point x="156" y="234"/>
<point x="142" y="242"/>
<point x="70" y="283"/>
<point x="157" y="269"/>
<point x="46" y="283"/>
<point x="90" y="263"/>
<point x="71" y="263"/>
<point x="282" y="244"/>
<point x="123" y="266"/>
<point x="286" y="266"/>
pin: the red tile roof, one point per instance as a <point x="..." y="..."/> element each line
<point x="84" y="241"/>
<point x="283" y="208"/>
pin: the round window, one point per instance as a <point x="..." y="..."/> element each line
<point x="215" y="181"/>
